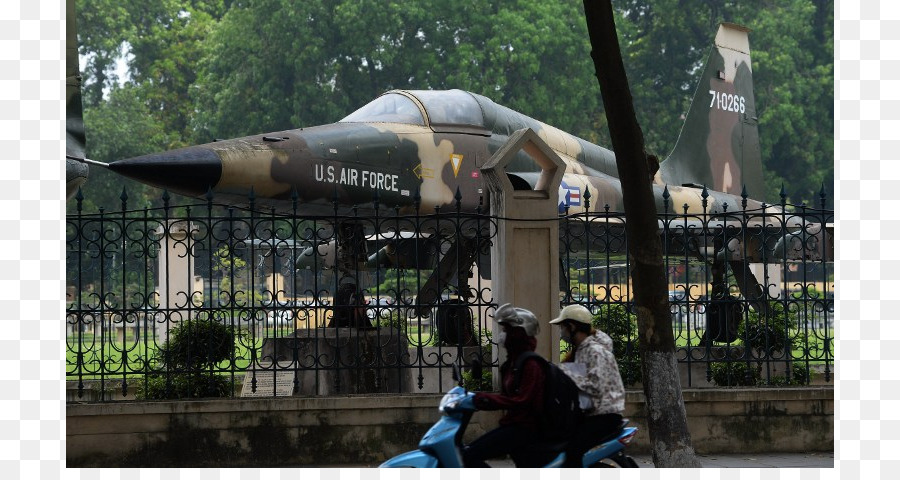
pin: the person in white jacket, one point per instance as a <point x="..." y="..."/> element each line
<point x="592" y="366"/>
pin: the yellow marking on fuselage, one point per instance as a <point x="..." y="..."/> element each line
<point x="251" y="165"/>
<point x="433" y="190"/>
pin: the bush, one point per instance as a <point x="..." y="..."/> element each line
<point x="621" y="325"/>
<point x="197" y="344"/>
<point x="192" y="352"/>
<point x="484" y="384"/>
<point x="390" y="319"/>
<point x="771" y="335"/>
<point x="767" y="338"/>
<point x="730" y="374"/>
<point x="798" y="377"/>
<point x="184" y="385"/>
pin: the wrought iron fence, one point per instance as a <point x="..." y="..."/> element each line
<point x="205" y="300"/>
<point x="751" y="292"/>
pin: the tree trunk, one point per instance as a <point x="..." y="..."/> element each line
<point x="670" y="440"/>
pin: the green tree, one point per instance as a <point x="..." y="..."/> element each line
<point x="791" y="45"/>
<point x="122" y="126"/>
<point x="207" y="69"/>
<point x="166" y="44"/>
<point x="795" y="92"/>
<point x="274" y="64"/>
<point x="266" y="68"/>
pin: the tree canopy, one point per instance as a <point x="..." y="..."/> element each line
<point x="205" y="69"/>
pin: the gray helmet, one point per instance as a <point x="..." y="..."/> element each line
<point x="518" y="317"/>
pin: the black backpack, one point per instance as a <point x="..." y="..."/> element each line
<point x="562" y="413"/>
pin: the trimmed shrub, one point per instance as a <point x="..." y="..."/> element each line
<point x="191" y="354"/>
<point x="621" y="325"/>
<point x="768" y="337"/>
<point x="483" y="384"/>
<point x="730" y="374"/>
<point x="184" y="385"/>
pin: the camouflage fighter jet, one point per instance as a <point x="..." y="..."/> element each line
<point x="434" y="142"/>
<point x="410" y="145"/>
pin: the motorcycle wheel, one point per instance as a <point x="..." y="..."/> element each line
<point x="617" y="461"/>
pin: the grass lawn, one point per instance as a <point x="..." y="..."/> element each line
<point x="139" y="355"/>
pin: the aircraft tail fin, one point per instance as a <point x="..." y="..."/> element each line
<point x="719" y="143"/>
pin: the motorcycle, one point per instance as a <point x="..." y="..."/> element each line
<point x="441" y="447"/>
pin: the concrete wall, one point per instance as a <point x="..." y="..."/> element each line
<point x="367" y="430"/>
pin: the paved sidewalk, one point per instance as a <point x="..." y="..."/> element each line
<point x="728" y="460"/>
<point x="756" y="460"/>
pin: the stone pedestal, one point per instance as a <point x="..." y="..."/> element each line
<point x="335" y="361"/>
<point x="525" y="251"/>
<point x="431" y="367"/>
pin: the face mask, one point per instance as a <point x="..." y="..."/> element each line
<point x="501" y="338"/>
<point x="565" y="335"/>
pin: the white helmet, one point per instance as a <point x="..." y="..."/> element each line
<point x="575" y="313"/>
<point x="518" y="317"/>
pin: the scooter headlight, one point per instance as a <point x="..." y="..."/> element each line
<point x="449" y="402"/>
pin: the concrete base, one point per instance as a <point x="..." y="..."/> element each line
<point x="425" y="379"/>
<point x="370" y="429"/>
<point x="346" y="356"/>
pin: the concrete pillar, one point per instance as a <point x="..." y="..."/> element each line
<point x="525" y="252"/>
<point x="769" y="275"/>
<point x="175" y="277"/>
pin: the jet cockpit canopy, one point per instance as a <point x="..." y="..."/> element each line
<point x="445" y="110"/>
<point x="391" y="108"/>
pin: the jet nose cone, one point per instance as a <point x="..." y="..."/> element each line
<point x="189" y="171"/>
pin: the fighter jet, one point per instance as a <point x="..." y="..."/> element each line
<point x="434" y="142"/>
<point x="419" y="148"/>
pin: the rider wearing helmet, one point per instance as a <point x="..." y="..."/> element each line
<point x="594" y="370"/>
<point x="523" y="403"/>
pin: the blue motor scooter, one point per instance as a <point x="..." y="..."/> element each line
<point x="441" y="447"/>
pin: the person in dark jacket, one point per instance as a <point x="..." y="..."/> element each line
<point x="519" y="427"/>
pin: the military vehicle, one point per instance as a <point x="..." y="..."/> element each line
<point x="421" y="149"/>
<point x="434" y="142"/>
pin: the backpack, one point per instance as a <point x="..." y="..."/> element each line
<point x="562" y="413"/>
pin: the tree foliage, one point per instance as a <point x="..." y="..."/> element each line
<point x="205" y="69"/>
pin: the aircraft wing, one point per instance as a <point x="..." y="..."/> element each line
<point x="755" y="239"/>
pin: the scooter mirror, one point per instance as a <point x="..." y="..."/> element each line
<point x="456" y="375"/>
